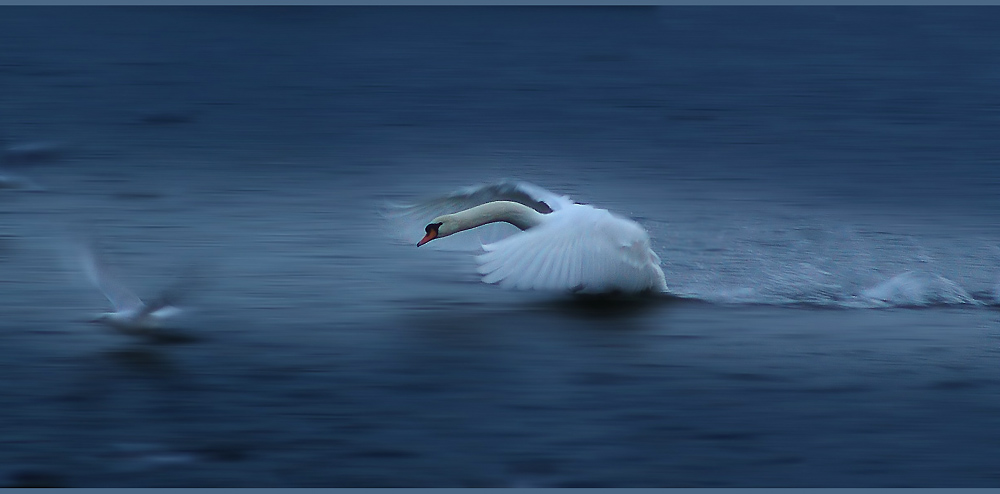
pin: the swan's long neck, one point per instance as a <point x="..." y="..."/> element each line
<point x="511" y="212"/>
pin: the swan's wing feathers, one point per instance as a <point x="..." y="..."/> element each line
<point x="408" y="220"/>
<point x="503" y="259"/>
<point x="540" y="259"/>
<point x="530" y="195"/>
<point x="589" y="251"/>
<point x="525" y="193"/>
<point x="101" y="277"/>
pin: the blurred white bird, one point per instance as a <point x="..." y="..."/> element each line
<point x="131" y="315"/>
<point x="563" y="245"/>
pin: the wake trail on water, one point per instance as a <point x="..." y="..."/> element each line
<point x="834" y="266"/>
<point x="911" y="289"/>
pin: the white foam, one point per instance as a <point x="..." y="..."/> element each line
<point x="917" y="289"/>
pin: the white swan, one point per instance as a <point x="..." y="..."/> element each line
<point x="563" y="245"/>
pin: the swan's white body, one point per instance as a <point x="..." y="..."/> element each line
<point x="563" y="246"/>
<point x="131" y="315"/>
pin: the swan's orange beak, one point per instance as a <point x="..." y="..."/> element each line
<point x="431" y="235"/>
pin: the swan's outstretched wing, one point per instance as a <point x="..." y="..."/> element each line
<point x="120" y="297"/>
<point x="408" y="220"/>
<point x="581" y="249"/>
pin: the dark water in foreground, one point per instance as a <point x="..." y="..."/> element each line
<point x="821" y="184"/>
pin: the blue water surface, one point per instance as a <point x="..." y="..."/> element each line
<point x="822" y="185"/>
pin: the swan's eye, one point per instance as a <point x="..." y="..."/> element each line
<point x="432" y="227"/>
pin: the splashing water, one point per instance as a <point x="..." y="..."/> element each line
<point x="917" y="289"/>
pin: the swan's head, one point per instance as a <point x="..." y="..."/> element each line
<point x="442" y="226"/>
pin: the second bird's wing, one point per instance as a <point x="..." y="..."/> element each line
<point x="98" y="273"/>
